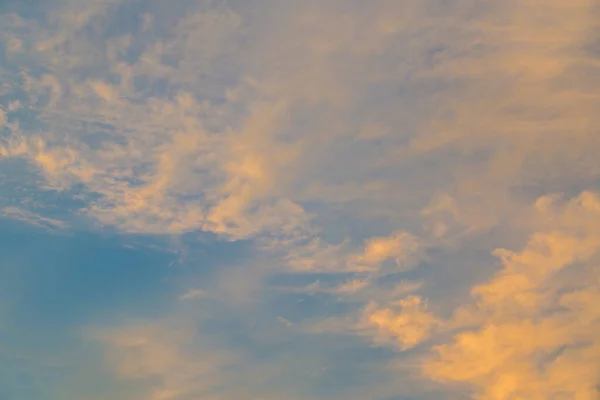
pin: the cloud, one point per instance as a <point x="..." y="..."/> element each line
<point x="399" y="251"/>
<point x="350" y="287"/>
<point x="185" y="140"/>
<point x="531" y="330"/>
<point x="243" y="158"/>
<point x="182" y="356"/>
<point x="350" y="140"/>
<point x="399" y="247"/>
<point x="518" y="123"/>
<point x="153" y="352"/>
<point x="347" y="287"/>
<point x="408" y="321"/>
<point x="193" y="294"/>
<point x="30" y="218"/>
<point x="140" y="171"/>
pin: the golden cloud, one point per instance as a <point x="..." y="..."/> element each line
<point x="531" y="332"/>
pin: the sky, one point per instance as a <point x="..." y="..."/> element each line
<point x="299" y="200"/>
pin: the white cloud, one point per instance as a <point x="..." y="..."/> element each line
<point x="193" y="294"/>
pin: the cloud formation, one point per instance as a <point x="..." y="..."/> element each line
<point x="420" y="173"/>
<point x="531" y="332"/>
<point x="410" y="325"/>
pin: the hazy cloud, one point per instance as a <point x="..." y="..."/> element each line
<point x="421" y="174"/>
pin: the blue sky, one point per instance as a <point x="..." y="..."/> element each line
<point x="292" y="200"/>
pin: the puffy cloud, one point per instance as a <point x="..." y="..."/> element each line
<point x="409" y="322"/>
<point x="399" y="247"/>
<point x="532" y="329"/>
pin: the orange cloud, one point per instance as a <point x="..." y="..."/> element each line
<point x="408" y="321"/>
<point x="532" y="332"/>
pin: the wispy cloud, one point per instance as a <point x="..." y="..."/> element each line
<point x="33" y="219"/>
<point x="193" y="294"/>
<point x="370" y="154"/>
